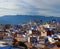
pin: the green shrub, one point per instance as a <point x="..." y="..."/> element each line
<point x="22" y="44"/>
<point x="58" y="44"/>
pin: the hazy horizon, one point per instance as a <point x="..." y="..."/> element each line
<point x="18" y="19"/>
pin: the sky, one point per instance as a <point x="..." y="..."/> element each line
<point x="30" y="7"/>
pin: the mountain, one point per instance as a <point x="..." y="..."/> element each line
<point x="17" y="19"/>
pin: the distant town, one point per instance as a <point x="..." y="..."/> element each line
<point x="34" y="34"/>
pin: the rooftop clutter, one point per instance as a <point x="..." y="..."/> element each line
<point x="30" y="32"/>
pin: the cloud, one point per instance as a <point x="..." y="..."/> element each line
<point x="30" y="7"/>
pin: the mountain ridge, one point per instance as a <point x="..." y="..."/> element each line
<point x="17" y="19"/>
